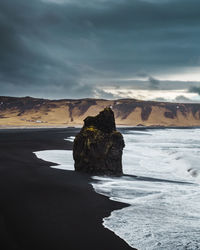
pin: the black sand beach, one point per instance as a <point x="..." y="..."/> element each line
<point x="45" y="208"/>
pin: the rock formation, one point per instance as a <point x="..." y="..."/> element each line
<point x="98" y="146"/>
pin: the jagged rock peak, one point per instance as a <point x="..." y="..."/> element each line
<point x="98" y="146"/>
<point x="104" y="121"/>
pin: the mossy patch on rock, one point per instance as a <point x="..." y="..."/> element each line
<point x="98" y="147"/>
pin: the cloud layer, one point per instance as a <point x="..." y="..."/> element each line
<point x="65" y="48"/>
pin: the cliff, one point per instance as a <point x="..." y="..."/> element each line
<point x="29" y="111"/>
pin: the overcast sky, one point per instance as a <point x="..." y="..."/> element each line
<point x="100" y="48"/>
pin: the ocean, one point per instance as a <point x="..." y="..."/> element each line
<point x="161" y="185"/>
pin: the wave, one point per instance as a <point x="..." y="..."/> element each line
<point x="165" y="201"/>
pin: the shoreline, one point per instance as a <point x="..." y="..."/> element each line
<point x="40" y="206"/>
<point x="80" y="126"/>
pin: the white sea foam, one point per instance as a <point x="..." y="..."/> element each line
<point x="70" y="138"/>
<point x="161" y="215"/>
<point x="63" y="158"/>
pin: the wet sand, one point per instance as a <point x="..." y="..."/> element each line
<point x="46" y="208"/>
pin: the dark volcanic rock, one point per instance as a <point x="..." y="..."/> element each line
<point x="98" y="147"/>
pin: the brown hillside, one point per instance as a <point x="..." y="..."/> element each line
<point x="34" y="112"/>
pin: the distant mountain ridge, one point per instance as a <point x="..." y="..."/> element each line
<point x="35" y="112"/>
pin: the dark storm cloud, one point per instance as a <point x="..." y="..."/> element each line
<point x="65" y="48"/>
<point x="182" y="98"/>
<point x="194" y="89"/>
<point x="154" y="83"/>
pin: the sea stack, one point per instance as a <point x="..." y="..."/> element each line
<point x="98" y="146"/>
